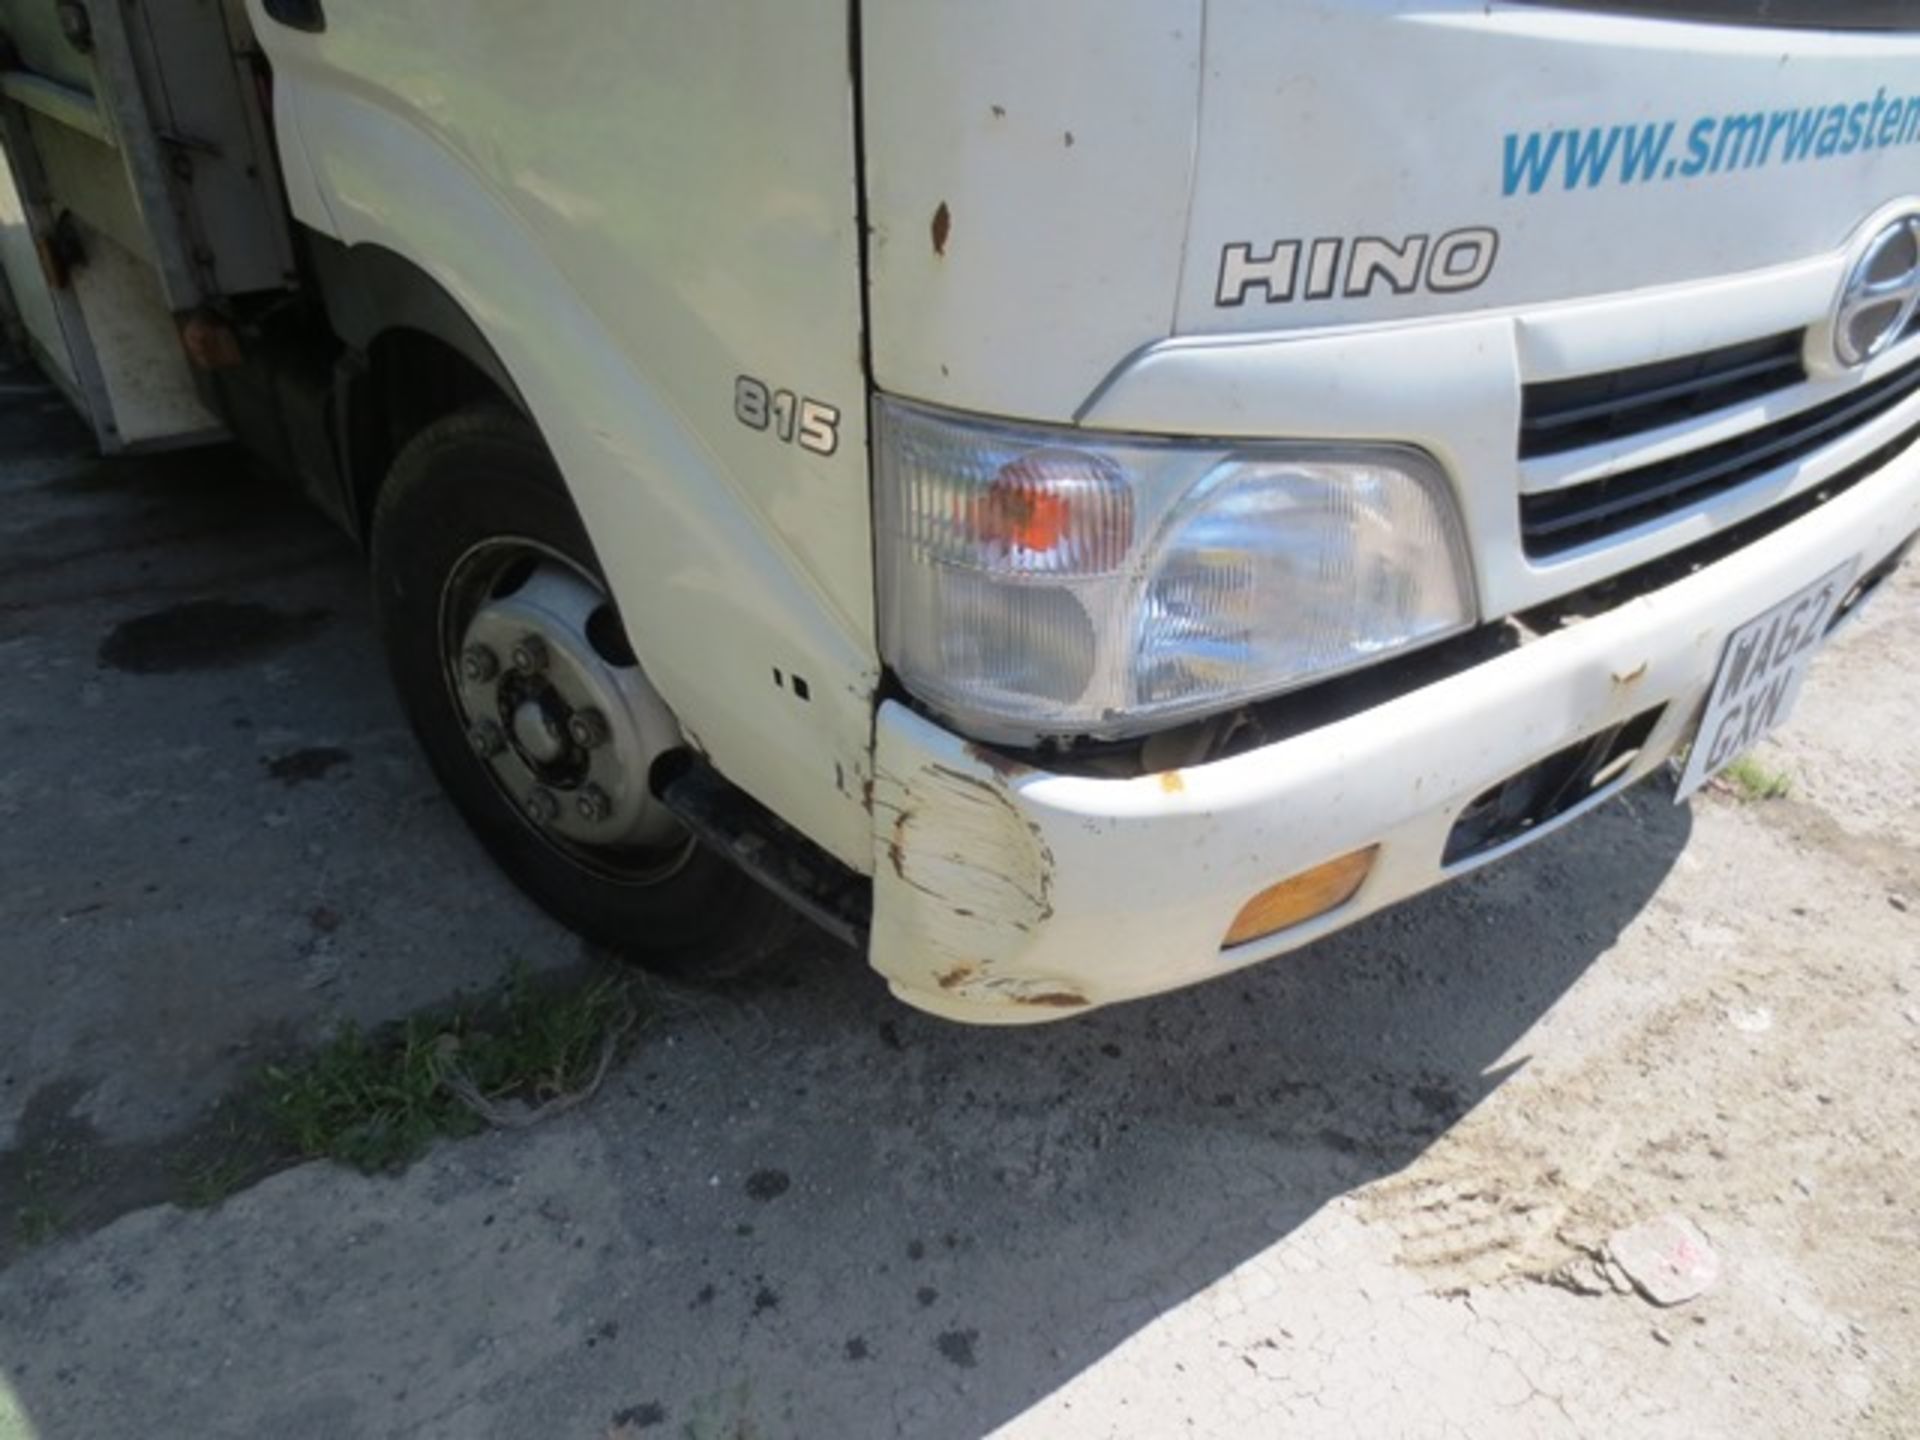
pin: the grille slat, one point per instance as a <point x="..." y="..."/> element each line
<point x="1559" y="520"/>
<point x="1562" y="415"/>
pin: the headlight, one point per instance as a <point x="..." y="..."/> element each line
<point x="1041" y="582"/>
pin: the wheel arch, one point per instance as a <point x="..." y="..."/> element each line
<point x="412" y="355"/>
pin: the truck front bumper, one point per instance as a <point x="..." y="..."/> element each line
<point x="1005" y="894"/>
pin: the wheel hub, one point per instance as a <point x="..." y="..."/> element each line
<point x="569" y="731"/>
<point x="537" y="734"/>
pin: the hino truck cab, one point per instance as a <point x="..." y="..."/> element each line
<point x="1076" y="498"/>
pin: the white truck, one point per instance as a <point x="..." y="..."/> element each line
<point x="1076" y="496"/>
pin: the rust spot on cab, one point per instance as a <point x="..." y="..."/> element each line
<point x="942" y="228"/>
<point x="1171" y="782"/>
<point x="958" y="975"/>
<point x="896" y="846"/>
<point x="1052" y="1000"/>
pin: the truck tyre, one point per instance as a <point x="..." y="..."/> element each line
<point x="517" y="676"/>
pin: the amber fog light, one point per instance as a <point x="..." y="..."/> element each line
<point x="1301" y="898"/>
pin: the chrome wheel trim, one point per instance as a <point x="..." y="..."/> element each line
<point x="557" y="709"/>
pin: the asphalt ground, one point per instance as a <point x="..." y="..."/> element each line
<point x="1350" y="1193"/>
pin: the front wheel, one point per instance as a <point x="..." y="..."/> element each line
<point x="516" y="674"/>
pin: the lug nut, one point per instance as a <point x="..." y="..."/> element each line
<point x="479" y="664"/>
<point x="542" y="807"/>
<point x="588" y="729"/>
<point x="487" y="739"/>
<point x="530" y="655"/>
<point x="594" y="804"/>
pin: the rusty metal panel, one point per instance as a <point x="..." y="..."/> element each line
<point x="194" y="59"/>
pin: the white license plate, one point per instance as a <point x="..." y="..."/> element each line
<point x="1760" y="675"/>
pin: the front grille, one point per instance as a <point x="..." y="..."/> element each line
<point x="1559" y="520"/>
<point x="1591" y="409"/>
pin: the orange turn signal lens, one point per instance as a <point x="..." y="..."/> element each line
<point x="1306" y="895"/>
<point x="1056" y="511"/>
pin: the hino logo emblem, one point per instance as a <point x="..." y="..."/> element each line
<point x="1356" y="268"/>
<point x="1882" y="291"/>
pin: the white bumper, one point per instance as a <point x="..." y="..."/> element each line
<point x="1004" y="894"/>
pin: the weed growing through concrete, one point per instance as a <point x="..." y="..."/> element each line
<point x="35" y="1223"/>
<point x="1749" y="779"/>
<point x="205" y="1184"/>
<point x="38" y="1217"/>
<point x="375" y="1101"/>
<point x="514" y="1057"/>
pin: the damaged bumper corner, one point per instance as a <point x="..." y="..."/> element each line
<point x="1004" y="894"/>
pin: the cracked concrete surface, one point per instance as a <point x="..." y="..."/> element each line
<point x="1320" y="1198"/>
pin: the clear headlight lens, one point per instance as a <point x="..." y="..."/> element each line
<point x="1038" y="582"/>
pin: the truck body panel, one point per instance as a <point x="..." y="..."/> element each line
<point x="1027" y="195"/>
<point x="1326" y="162"/>
<point x="635" y="224"/>
<point x="1604" y="153"/>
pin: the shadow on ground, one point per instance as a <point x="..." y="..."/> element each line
<point x="992" y="1212"/>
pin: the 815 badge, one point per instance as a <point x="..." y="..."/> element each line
<point x="811" y="424"/>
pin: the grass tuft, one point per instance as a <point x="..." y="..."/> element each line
<point x="205" y="1184"/>
<point x="376" y="1101"/>
<point x="35" y="1223"/>
<point x="1750" y="780"/>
